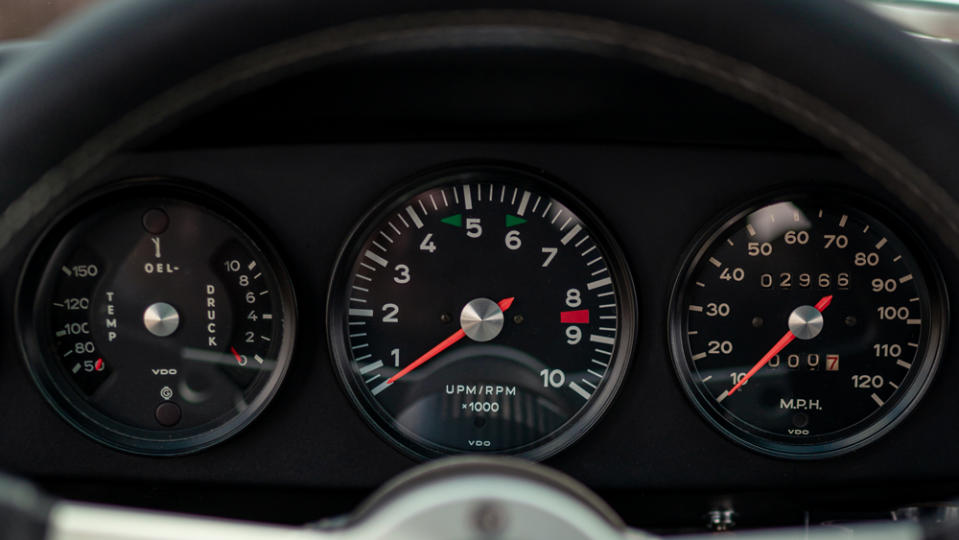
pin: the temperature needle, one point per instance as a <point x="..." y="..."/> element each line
<point x="821" y="305"/>
<point x="503" y="304"/>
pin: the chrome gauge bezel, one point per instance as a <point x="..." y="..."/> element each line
<point x="62" y="393"/>
<point x="869" y="429"/>
<point x="373" y="413"/>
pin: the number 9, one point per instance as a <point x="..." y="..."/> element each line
<point x="573" y="335"/>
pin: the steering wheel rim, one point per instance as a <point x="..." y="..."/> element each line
<point x="117" y="94"/>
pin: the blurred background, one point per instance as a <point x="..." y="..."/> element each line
<point x="23" y="19"/>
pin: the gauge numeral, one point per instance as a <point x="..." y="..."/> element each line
<point x="474" y="229"/>
<point x="884" y="285"/>
<point x="736" y="274"/>
<point x="392" y="312"/>
<point x="887" y="350"/>
<point x="574" y="298"/>
<point x="867" y="381"/>
<point x="839" y="241"/>
<point x="796" y="237"/>
<point x="84" y="270"/>
<point x="513" y="241"/>
<point x="427" y="244"/>
<point x="395" y="354"/>
<point x="573" y="335"/>
<point x="76" y="328"/>
<point x="893" y="313"/>
<point x="720" y="347"/>
<point x="754" y="249"/>
<point x="76" y="304"/>
<point x="550" y="255"/>
<point x="865" y="259"/>
<point x="554" y="378"/>
<point x="404" y="272"/>
<point x="717" y="310"/>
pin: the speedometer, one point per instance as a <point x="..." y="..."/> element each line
<point x="807" y="327"/>
<point x="481" y="311"/>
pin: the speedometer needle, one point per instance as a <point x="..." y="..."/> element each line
<point x="821" y="305"/>
<point x="503" y="304"/>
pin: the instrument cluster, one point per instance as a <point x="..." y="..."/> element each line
<point x="481" y="308"/>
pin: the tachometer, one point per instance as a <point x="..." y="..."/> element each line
<point x="155" y="319"/>
<point x="807" y="327"/>
<point x="481" y="312"/>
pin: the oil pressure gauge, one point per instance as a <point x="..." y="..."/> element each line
<point x="807" y="326"/>
<point x="155" y="319"/>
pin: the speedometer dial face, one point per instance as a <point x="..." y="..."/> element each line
<point x="805" y="327"/>
<point x="481" y="312"/>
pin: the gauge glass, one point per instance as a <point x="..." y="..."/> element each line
<point x="155" y="323"/>
<point x="481" y="312"/>
<point x="807" y="327"/>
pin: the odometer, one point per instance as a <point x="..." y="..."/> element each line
<point x="481" y="311"/>
<point x="807" y="327"/>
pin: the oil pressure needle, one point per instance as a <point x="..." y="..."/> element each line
<point x="820" y="306"/>
<point x="503" y="304"/>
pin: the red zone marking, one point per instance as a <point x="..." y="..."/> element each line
<point x="574" y="317"/>
<point x="99" y="365"/>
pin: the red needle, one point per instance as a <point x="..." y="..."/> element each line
<point x="503" y="304"/>
<point x="239" y="359"/>
<point x="821" y="305"/>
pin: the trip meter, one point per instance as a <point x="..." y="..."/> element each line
<point x="155" y="319"/>
<point x="806" y="327"/>
<point x="481" y="312"/>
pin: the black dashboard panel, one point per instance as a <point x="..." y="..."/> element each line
<point x="655" y="199"/>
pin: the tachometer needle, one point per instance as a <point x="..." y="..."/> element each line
<point x="503" y="304"/>
<point x="821" y="305"/>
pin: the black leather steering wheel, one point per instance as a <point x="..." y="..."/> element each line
<point x="829" y="67"/>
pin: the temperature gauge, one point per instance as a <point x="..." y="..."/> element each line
<point x="155" y="323"/>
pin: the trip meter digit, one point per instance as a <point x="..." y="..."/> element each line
<point x="806" y="327"/>
<point x="482" y="311"/>
<point x="153" y="322"/>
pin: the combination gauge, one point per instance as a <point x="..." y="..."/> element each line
<point x="155" y="319"/>
<point x="483" y="310"/>
<point x="808" y="326"/>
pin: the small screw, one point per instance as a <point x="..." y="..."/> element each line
<point x="446" y="317"/>
<point x="851" y="321"/>
<point x="518" y="319"/>
<point x="758" y="322"/>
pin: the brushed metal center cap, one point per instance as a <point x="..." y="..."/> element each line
<point x="806" y="322"/>
<point x="161" y="319"/>
<point x="481" y="319"/>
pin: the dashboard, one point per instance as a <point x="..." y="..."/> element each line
<point x="301" y="289"/>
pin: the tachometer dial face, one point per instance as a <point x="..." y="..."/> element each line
<point x="153" y="322"/>
<point x="807" y="327"/>
<point x="481" y="312"/>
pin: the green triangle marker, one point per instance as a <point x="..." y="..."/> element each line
<point x="454" y="220"/>
<point x="512" y="220"/>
